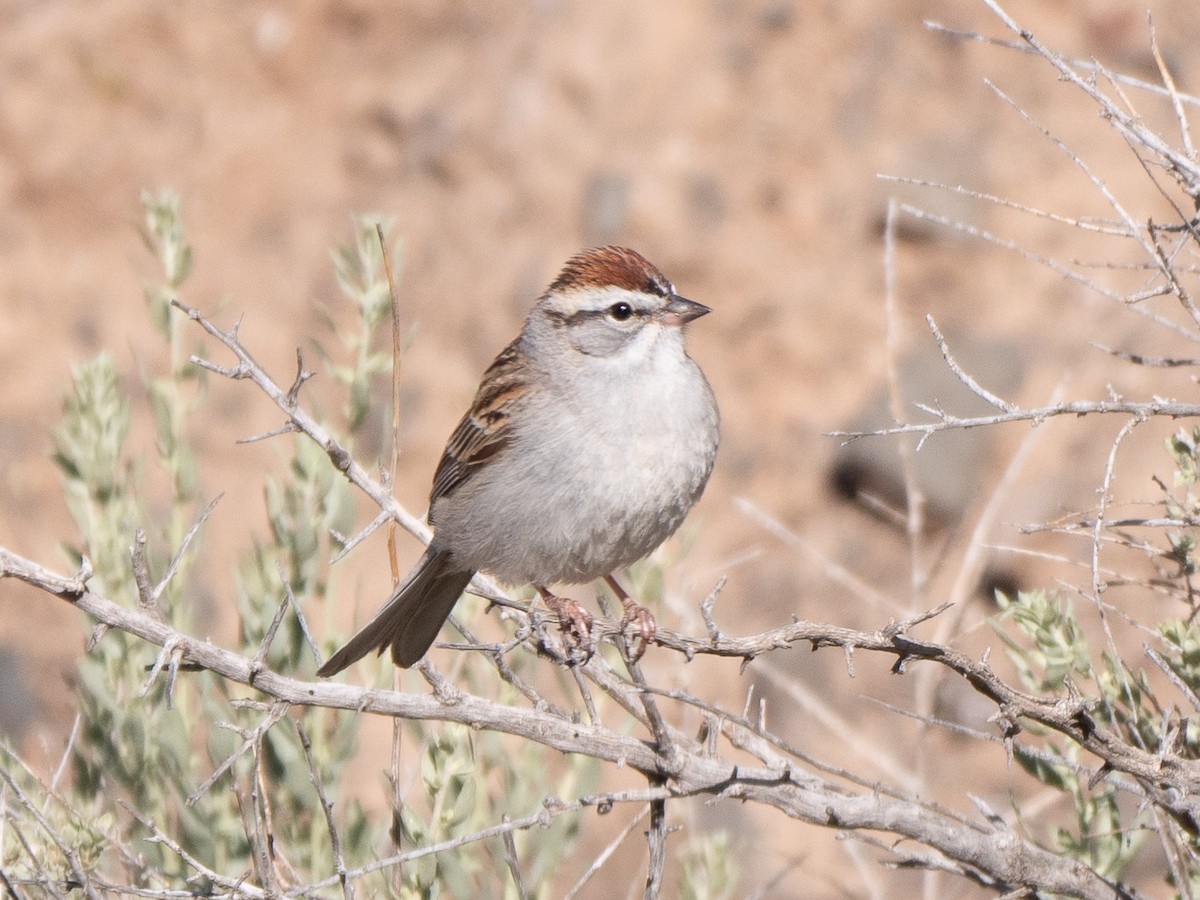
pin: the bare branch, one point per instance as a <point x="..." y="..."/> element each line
<point x="1164" y="362"/>
<point x="286" y="428"/>
<point x="268" y="638"/>
<point x="277" y="712"/>
<point x="605" y="855"/>
<point x="1100" y="227"/>
<point x="302" y="375"/>
<point x="181" y="551"/>
<point x="290" y="597"/>
<point x="513" y="862"/>
<point x="366" y="531"/>
<point x="339" y="864"/>
<point x="301" y="420"/>
<point x="971" y="384"/>
<point x="1134" y="130"/>
<point x="656" y="837"/>
<point x="236" y="886"/>
<point x="689" y="770"/>
<point x="914" y="496"/>
<point x="141" y="573"/>
<point x="1147" y="409"/>
<point x="1084" y="65"/>
<point x="80" y="874"/>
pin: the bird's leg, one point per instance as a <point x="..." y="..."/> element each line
<point x="573" y="619"/>
<point x="635" y="614"/>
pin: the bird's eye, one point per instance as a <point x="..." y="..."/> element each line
<point x="621" y="312"/>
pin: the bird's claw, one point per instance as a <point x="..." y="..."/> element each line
<point x="576" y="625"/>
<point x="647" y="628"/>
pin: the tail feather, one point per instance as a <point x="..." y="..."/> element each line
<point x="412" y="617"/>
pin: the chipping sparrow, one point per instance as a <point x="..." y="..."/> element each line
<point x="590" y="437"/>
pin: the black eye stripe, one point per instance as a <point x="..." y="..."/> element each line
<point x="606" y="313"/>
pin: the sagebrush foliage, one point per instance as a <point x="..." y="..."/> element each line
<point x="201" y="785"/>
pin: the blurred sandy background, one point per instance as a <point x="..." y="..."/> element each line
<point x="734" y="142"/>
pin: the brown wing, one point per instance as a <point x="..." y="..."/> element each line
<point x="483" y="431"/>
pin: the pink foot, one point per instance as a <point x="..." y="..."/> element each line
<point x="575" y="622"/>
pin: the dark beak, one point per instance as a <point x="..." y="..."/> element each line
<point x="680" y="310"/>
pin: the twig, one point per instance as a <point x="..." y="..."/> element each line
<point x="606" y="854"/>
<point x="513" y="863"/>
<point x="350" y="543"/>
<point x="1147" y="409"/>
<point x="82" y="878"/>
<point x="181" y="551"/>
<point x="1180" y="685"/>
<point x="249" y="369"/>
<point x="834" y="571"/>
<point x="237" y="886"/>
<point x="1097" y="583"/>
<point x="656" y="837"/>
<point x="970" y="383"/>
<point x="394" y="453"/>
<point x="9" y="888"/>
<point x="914" y="496"/>
<point x="256" y="836"/>
<point x="292" y="397"/>
<point x="984" y="235"/>
<point x="586" y="695"/>
<point x="339" y="864"/>
<point x="1185" y="134"/>
<point x="706" y="610"/>
<point x="1139" y="359"/>
<point x="396" y="832"/>
<point x="277" y="712"/>
<point x="43" y="879"/>
<point x="141" y="574"/>
<point x="1100" y="227"/>
<point x="1133" y="228"/>
<point x="264" y="646"/>
<point x="278" y="431"/>
<point x="1134" y="130"/>
<point x="290" y="596"/>
<point x="66" y="754"/>
<point x="1086" y="65"/>
<point x="551" y="809"/>
<point x="302" y="421"/>
<point x="496" y="656"/>
<point x="849" y="735"/>
<point x="170" y="655"/>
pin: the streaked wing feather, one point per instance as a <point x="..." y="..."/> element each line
<point x="483" y="431"/>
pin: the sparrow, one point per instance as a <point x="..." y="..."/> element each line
<point x="590" y="438"/>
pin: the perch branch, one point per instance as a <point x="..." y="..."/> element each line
<point x="692" y="770"/>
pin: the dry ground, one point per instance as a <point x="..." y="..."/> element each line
<point x="735" y="143"/>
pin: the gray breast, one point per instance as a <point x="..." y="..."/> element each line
<point x="590" y="484"/>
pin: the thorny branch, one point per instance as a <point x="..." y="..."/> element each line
<point x="689" y="768"/>
<point x="945" y="421"/>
